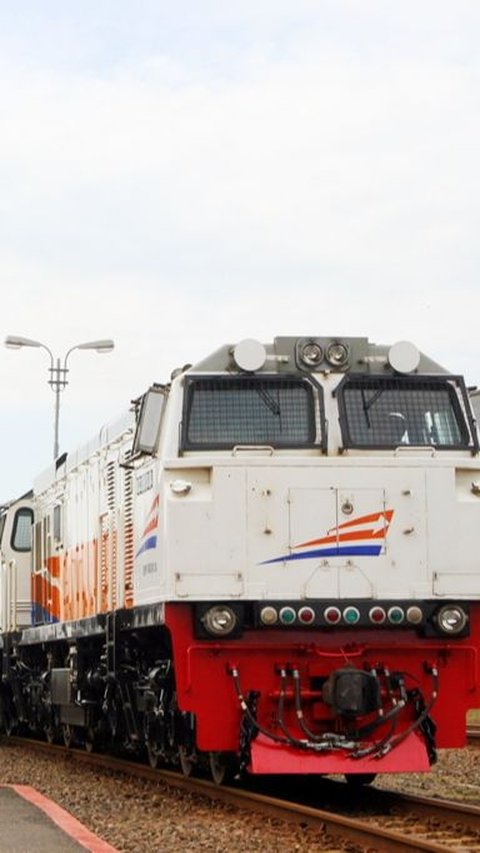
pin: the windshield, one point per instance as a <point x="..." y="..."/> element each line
<point x="389" y="412"/>
<point x="223" y="412"/>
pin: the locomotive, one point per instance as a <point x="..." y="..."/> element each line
<point x="268" y="565"/>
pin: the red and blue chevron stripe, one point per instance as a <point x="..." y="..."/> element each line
<point x="364" y="536"/>
<point x="149" y="538"/>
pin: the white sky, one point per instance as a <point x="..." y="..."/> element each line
<point x="177" y="175"/>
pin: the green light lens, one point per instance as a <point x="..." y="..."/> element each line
<point x="351" y="615"/>
<point x="396" y="615"/>
<point x="287" y="615"/>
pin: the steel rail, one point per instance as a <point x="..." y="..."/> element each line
<point x="473" y="734"/>
<point x="362" y="831"/>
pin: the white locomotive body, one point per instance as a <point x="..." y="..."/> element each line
<point x="281" y="534"/>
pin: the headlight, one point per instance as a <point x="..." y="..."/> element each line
<point x="337" y="355"/>
<point x="451" y="619"/>
<point x="311" y="354"/>
<point x="220" y="620"/>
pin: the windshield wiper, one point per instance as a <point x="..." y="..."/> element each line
<point x="268" y="399"/>
<point x="367" y="404"/>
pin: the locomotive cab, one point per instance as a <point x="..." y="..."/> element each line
<point x="315" y="478"/>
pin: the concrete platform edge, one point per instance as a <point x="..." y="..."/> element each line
<point x="65" y="821"/>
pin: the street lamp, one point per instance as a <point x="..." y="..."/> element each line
<point x="58" y="371"/>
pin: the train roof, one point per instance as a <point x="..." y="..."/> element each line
<point x="344" y="353"/>
<point x="115" y="429"/>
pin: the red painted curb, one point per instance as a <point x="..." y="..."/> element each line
<point x="69" y="824"/>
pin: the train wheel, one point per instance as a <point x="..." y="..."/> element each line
<point x="2" y="715"/>
<point x="90" y="739"/>
<point x="67" y="731"/>
<point x="153" y="755"/>
<point x="8" y="723"/>
<point x="222" y="769"/>
<point x="49" y="732"/>
<point x="187" y="761"/>
<point x="358" y="780"/>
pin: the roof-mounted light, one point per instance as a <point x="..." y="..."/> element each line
<point x="337" y="354"/>
<point x="250" y="355"/>
<point x="403" y="357"/>
<point x="311" y="354"/>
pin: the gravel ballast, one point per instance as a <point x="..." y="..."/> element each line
<point x="137" y="816"/>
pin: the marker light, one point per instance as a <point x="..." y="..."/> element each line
<point x="451" y="619"/>
<point x="287" y="615"/>
<point x="311" y="354"/>
<point x="414" y="615"/>
<point x="351" y="615"/>
<point x="377" y="615"/>
<point x="332" y="615"/>
<point x="220" y="620"/>
<point x="268" y="615"/>
<point x="250" y="355"/>
<point x="306" y="615"/>
<point x="337" y="355"/>
<point x="403" y="357"/>
<point x="396" y="615"/>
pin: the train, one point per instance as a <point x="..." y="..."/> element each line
<point x="268" y="565"/>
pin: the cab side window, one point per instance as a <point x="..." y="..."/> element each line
<point x="22" y="530"/>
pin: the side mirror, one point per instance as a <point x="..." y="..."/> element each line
<point x="149" y="421"/>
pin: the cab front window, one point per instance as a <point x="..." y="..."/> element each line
<point x="224" y="412"/>
<point x="389" y="412"/>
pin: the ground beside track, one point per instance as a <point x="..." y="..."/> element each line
<point x="136" y="816"/>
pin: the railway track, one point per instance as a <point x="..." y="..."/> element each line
<point x="473" y="735"/>
<point x="377" y="820"/>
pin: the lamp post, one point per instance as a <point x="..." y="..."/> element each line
<point x="58" y="371"/>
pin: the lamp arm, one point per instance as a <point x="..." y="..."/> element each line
<point x="67" y="354"/>
<point x="44" y="346"/>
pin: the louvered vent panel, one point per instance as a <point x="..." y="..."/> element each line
<point x="129" y="555"/>
<point x="104" y="562"/>
<point x="114" y="572"/>
<point x="112" y="538"/>
<point x="111" y="486"/>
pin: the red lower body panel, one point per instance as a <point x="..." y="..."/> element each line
<point x="268" y="757"/>
<point x="435" y="682"/>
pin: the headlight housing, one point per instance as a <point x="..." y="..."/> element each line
<point x="311" y="353"/>
<point x="337" y="354"/>
<point x="451" y="619"/>
<point x="219" y="620"/>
